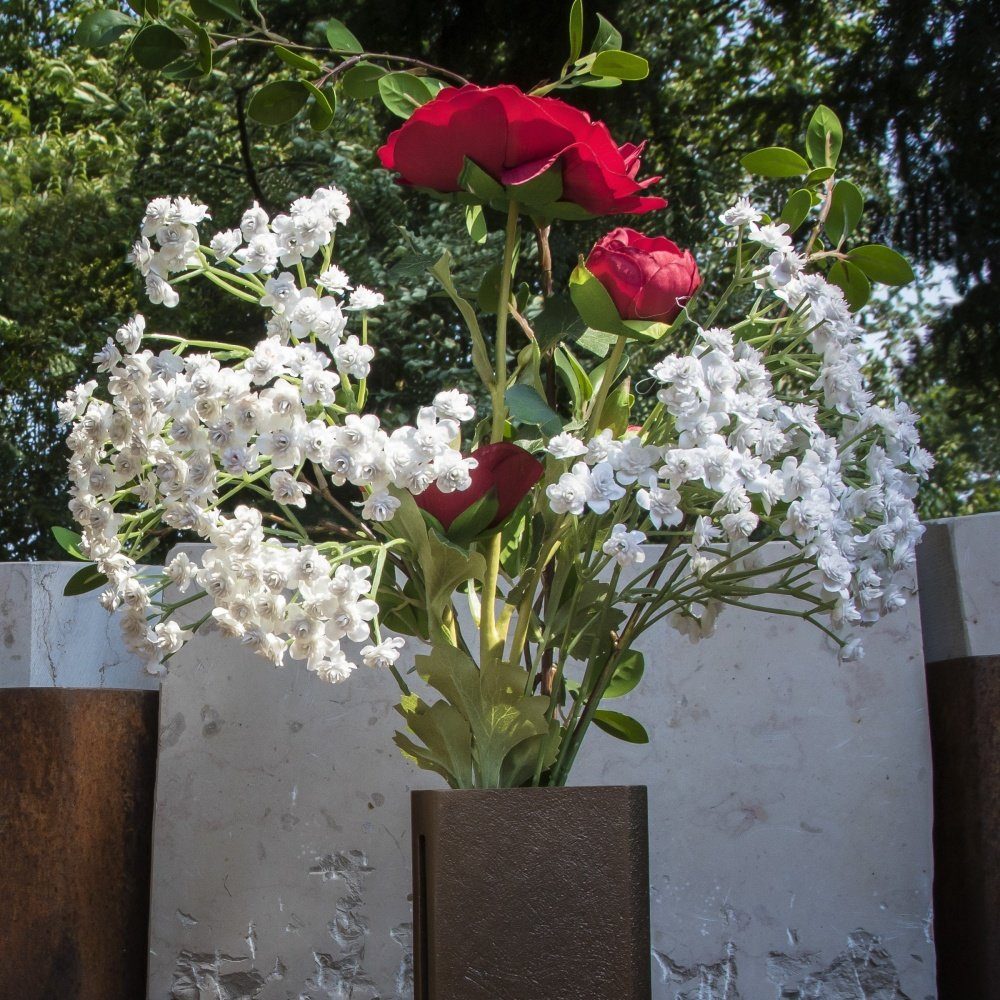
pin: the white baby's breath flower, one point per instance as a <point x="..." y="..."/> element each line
<point x="363" y="298"/>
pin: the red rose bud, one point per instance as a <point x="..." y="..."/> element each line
<point x="647" y="277"/>
<point x="515" y="138"/>
<point x="503" y="477"/>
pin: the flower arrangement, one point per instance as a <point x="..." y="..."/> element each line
<point x="331" y="536"/>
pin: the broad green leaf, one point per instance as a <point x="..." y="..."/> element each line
<point x="361" y="81"/>
<point x="100" y="28"/>
<point x="575" y="30"/>
<point x="796" y="209"/>
<point x="617" y="410"/>
<point x="341" y="39"/>
<point x="84" y="580"/>
<point x="882" y="264"/>
<point x="475" y="223"/>
<point x="607" y="37"/>
<point x="403" y="93"/>
<point x="847" y="205"/>
<point x="474" y="520"/>
<point x="474" y="179"/>
<point x="145" y="7"/>
<point x="69" y="541"/>
<point x="480" y="355"/>
<point x="540" y="191"/>
<point x="627" y="674"/>
<point x="183" y="69"/>
<point x="819" y="174"/>
<point x="528" y="407"/>
<point x="824" y="137"/>
<point x="557" y="320"/>
<point x="622" y="727"/>
<point x="296" y="61"/>
<point x="775" y="161"/>
<point x="521" y="761"/>
<point x="852" y="282"/>
<point x="322" y="108"/>
<point x="596" y="342"/>
<point x="278" y="102"/>
<point x="594" y="304"/>
<point x="216" y="8"/>
<point x="576" y="379"/>
<point x="601" y="82"/>
<point x="156" y="46"/>
<point x="488" y="296"/>
<point x="621" y="65"/>
<point x="446" y="736"/>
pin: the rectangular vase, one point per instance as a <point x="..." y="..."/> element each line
<point x="531" y="894"/>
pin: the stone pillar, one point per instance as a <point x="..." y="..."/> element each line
<point x="959" y="570"/>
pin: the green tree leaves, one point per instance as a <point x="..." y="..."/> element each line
<point x="775" y="161"/>
<point x="100" y="28"/>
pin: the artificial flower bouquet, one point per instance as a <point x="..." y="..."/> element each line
<point x="576" y="499"/>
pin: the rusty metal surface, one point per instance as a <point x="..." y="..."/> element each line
<point x="531" y="894"/>
<point x="77" y="774"/>
<point x="964" y="701"/>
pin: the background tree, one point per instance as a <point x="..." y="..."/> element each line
<point x="87" y="139"/>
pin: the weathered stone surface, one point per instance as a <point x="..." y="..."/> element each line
<point x="789" y="803"/>
<point x="47" y="640"/>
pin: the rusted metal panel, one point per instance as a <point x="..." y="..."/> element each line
<point x="531" y="894"/>
<point x="77" y="776"/>
<point x="964" y="701"/>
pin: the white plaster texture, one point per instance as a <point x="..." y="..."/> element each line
<point x="959" y="567"/>
<point x="48" y="640"/>
<point x="790" y="821"/>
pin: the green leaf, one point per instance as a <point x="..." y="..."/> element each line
<point x="528" y="407"/>
<point x="488" y="296"/>
<point x="824" y="137"/>
<point x="596" y="342"/>
<point x="446" y="736"/>
<point x="84" y="580"/>
<point x="594" y="304"/>
<point x="775" y="161"/>
<point x="361" y="81"/>
<point x="475" y="223"/>
<point x="621" y="65"/>
<point x="145" y="7"/>
<point x="819" y="174"/>
<point x="540" y="191"/>
<point x="293" y="59"/>
<point x="403" y="93"/>
<point x="622" y="727"/>
<point x="492" y="701"/>
<point x="341" y="39"/>
<point x="69" y="541"/>
<point x="575" y="30"/>
<point x="557" y="320"/>
<point x="100" y="28"/>
<point x="474" y="520"/>
<point x="216" y="8"/>
<point x="577" y="380"/>
<point x="323" y="105"/>
<point x="480" y="355"/>
<point x="278" y="102"/>
<point x="204" y="43"/>
<point x="156" y="46"/>
<point x="847" y="205"/>
<point x="601" y="82"/>
<point x="852" y="282"/>
<point x="473" y="178"/>
<point x="627" y="674"/>
<point x="617" y="410"/>
<point x="796" y="209"/>
<point x="882" y="264"/>
<point x="607" y="37"/>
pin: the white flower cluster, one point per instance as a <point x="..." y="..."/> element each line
<point x="181" y="433"/>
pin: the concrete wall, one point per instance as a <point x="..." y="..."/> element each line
<point x="790" y="817"/>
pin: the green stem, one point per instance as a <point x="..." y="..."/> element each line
<point x="610" y="369"/>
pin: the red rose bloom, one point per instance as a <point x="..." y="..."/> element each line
<point x="515" y="138"/>
<point x="509" y="470"/>
<point x="647" y="277"/>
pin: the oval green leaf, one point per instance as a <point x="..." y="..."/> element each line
<point x="882" y="264"/>
<point x="527" y="407"/>
<point x="157" y="46"/>
<point x="68" y="541"/>
<point x="361" y="81"/>
<point x="278" y="102"/>
<point x="216" y="8"/>
<point x="775" y="161"/>
<point x="296" y="61"/>
<point x="475" y="223"/>
<point x="621" y="65"/>
<point x="824" y="137"/>
<point x="575" y="30"/>
<point x="100" y="28"/>
<point x="323" y="105"/>
<point x="403" y="93"/>
<point x="607" y="37"/>
<point x="594" y="304"/>
<point x="621" y="726"/>
<point x="852" y="282"/>
<point x="341" y="39"/>
<point x="627" y="674"/>
<point x="847" y="205"/>
<point x="796" y="209"/>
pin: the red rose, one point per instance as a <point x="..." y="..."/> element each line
<point x="647" y="277"/>
<point x="505" y="468"/>
<point x="515" y="138"/>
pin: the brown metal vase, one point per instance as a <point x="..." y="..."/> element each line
<point x="531" y="894"/>
<point x="77" y="775"/>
